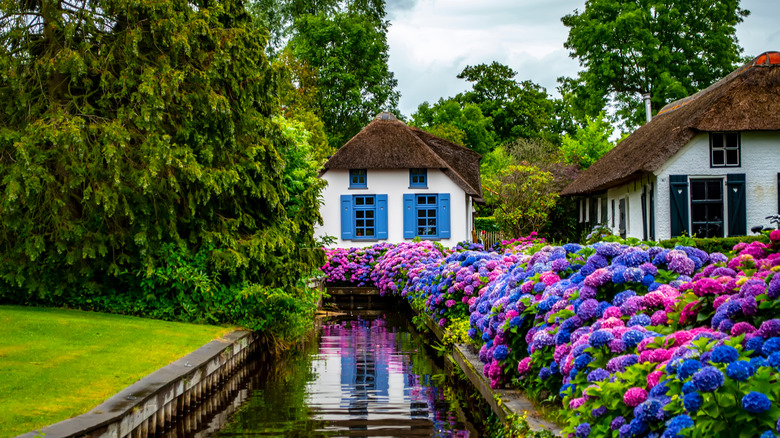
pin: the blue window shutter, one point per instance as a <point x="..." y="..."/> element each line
<point x="735" y="184"/>
<point x="678" y="185"/>
<point x="381" y="217"/>
<point x="409" y="216"/>
<point x="444" y="216"/>
<point x="347" y="217"/>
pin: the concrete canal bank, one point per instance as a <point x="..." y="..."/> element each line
<point x="182" y="396"/>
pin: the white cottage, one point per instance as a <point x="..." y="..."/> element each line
<point x="707" y="165"/>
<point x="392" y="182"/>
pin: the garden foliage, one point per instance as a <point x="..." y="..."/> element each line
<point x="633" y="341"/>
<point x="139" y="135"/>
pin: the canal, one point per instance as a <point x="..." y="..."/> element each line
<point x="362" y="374"/>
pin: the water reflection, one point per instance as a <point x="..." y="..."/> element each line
<point x="360" y="377"/>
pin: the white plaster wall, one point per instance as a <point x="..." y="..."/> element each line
<point x="394" y="183"/>
<point x="632" y="192"/>
<point x="760" y="164"/>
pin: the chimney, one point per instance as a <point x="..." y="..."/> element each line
<point x="648" y="108"/>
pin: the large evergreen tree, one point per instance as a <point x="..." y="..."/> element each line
<point x="128" y="128"/>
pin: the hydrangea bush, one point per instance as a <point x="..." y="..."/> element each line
<point x="635" y="341"/>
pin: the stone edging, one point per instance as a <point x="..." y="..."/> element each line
<point x="154" y="402"/>
<point x="504" y="402"/>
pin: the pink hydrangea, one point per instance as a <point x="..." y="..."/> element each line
<point x="659" y="318"/>
<point x="634" y="396"/>
<point x="576" y="402"/>
<point x="524" y="366"/>
<point x="707" y="286"/>
<point x="612" y="312"/>
<point x="742" y="328"/>
<point x="653" y="378"/>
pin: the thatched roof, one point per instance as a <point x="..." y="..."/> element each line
<point x="388" y="143"/>
<point x="748" y="99"/>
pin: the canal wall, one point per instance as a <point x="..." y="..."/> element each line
<point x="505" y="403"/>
<point x="178" y="397"/>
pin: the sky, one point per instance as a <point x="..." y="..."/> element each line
<point x="431" y="41"/>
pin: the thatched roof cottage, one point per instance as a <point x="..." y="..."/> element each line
<point x="708" y="164"/>
<point x="392" y="182"/>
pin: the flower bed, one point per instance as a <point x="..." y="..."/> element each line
<point x="633" y="341"/>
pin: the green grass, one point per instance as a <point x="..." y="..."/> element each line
<point x="56" y="364"/>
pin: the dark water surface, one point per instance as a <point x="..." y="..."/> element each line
<point x="361" y="376"/>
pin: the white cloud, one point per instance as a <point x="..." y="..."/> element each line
<point x="431" y="41"/>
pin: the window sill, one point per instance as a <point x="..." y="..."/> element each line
<point x="418" y="187"/>
<point x="357" y="188"/>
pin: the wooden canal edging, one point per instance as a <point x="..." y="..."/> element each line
<point x="182" y="394"/>
<point x="504" y="402"/>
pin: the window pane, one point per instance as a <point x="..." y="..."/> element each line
<point x="421" y="222"/>
<point x="698" y="190"/>
<point x="698" y="212"/>
<point x="360" y="201"/>
<point x="732" y="157"/>
<point x="714" y="212"/>
<point x="718" y="157"/>
<point x="717" y="139"/>
<point x="369" y="232"/>
<point x="714" y="190"/>
<point x="732" y="140"/>
<point x="370" y="201"/>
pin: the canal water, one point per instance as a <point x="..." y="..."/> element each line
<point x="362" y="375"/>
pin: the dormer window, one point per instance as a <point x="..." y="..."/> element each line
<point x="724" y="149"/>
<point x="357" y="179"/>
<point x="418" y="178"/>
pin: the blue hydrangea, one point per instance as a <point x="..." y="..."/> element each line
<point x="599" y="411"/>
<point x="758" y="362"/>
<point x="756" y="402"/>
<point x="599" y="338"/>
<point x="724" y="354"/>
<point x="688" y="388"/>
<point x="692" y="402"/>
<point x="598" y="375"/>
<point x="774" y="359"/>
<point x="708" y="379"/>
<point x="501" y="352"/>
<point x="632" y="338"/>
<point x="681" y="421"/>
<point x="544" y="374"/>
<point x="767" y="434"/>
<point x="658" y="390"/>
<point x="639" y="320"/>
<point x="739" y="370"/>
<point x="687" y="368"/>
<point x="617" y="423"/>
<point x="772" y="345"/>
<point x="622" y="297"/>
<point x="582" y="361"/>
<point x="583" y="430"/>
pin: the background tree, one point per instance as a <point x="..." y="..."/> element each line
<point x="136" y="135"/>
<point x="342" y="45"/>
<point x="517" y="109"/>
<point x="588" y="144"/>
<point x="521" y="197"/>
<point x="462" y="124"/>
<point x="669" y="48"/>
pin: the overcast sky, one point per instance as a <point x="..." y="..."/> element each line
<point x="431" y="41"/>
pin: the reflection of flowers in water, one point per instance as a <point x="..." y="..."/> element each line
<point x="380" y="374"/>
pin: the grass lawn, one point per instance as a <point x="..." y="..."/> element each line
<point x="56" y="364"/>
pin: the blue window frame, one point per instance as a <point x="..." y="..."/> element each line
<point x="427" y="216"/>
<point x="418" y="178"/>
<point x="358" y="179"/>
<point x="363" y="217"/>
